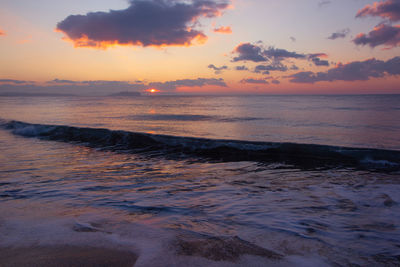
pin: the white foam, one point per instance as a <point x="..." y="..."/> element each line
<point x="32" y="130"/>
<point x="383" y="163"/>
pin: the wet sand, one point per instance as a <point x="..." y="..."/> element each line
<point x="65" y="256"/>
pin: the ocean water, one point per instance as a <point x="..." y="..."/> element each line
<point x="196" y="180"/>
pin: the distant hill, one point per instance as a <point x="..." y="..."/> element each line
<point x="126" y="93"/>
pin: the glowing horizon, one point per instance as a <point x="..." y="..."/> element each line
<point x="207" y="48"/>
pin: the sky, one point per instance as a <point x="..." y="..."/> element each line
<point x="200" y="46"/>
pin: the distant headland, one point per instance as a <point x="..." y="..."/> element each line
<point x="126" y="93"/>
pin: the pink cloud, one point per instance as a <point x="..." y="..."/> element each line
<point x="389" y="9"/>
<point x="382" y="34"/>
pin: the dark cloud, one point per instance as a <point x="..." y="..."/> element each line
<point x="60" y="87"/>
<point x="275" y="57"/>
<point x="11" y="81"/>
<point x="200" y="82"/>
<point x="94" y="82"/>
<point x="250" y="52"/>
<point x="389" y="9"/>
<point x="339" y="34"/>
<point x="106" y="83"/>
<point x="316" y="59"/>
<point x="226" y="30"/>
<point x="279" y="54"/>
<point x="265" y="69"/>
<point x="293" y="39"/>
<point x="315" y="55"/>
<point x="99" y="87"/>
<point x="143" y="23"/>
<point x="139" y="85"/>
<point x="382" y="34"/>
<point x="241" y="68"/>
<point x="324" y="3"/>
<point x="218" y="70"/>
<point x="257" y="53"/>
<point x="319" y="62"/>
<point x="58" y="81"/>
<point x="254" y="81"/>
<point x="354" y="71"/>
<point x="294" y="67"/>
<point x="275" y="82"/>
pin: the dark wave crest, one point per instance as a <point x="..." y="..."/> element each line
<point x="304" y="156"/>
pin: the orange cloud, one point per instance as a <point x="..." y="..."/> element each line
<point x="86" y="42"/>
<point x="2" y="32"/>
<point x="225" y="30"/>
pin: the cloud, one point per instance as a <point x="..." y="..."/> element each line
<point x="226" y="30"/>
<point x="94" y="82"/>
<point x="200" y="82"/>
<point x="293" y="39"/>
<point x="57" y="81"/>
<point x="99" y="87"/>
<point x="241" y="68"/>
<point x="11" y="81"/>
<point x="389" y="9"/>
<point x="143" y="23"/>
<point x="139" y="85"/>
<point x="382" y="34"/>
<point x="294" y="67"/>
<point x="106" y="83"/>
<point x="324" y="3"/>
<point x="218" y="70"/>
<point x="275" y="56"/>
<point x="2" y="33"/>
<point x="275" y="82"/>
<point x="58" y="86"/>
<point x="319" y="62"/>
<point x="265" y="69"/>
<point x="254" y="81"/>
<point x="339" y="34"/>
<point x="317" y="55"/>
<point x="250" y="52"/>
<point x="278" y="54"/>
<point x="353" y="71"/>
<point x="316" y="59"/>
<point x="257" y="53"/>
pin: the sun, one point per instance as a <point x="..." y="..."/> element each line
<point x="152" y="90"/>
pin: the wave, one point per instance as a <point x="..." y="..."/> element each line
<point x="304" y="156"/>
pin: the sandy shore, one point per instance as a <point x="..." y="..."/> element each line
<point x="63" y="256"/>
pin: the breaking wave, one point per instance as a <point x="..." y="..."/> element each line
<point x="304" y="156"/>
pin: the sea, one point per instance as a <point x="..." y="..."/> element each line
<point x="205" y="180"/>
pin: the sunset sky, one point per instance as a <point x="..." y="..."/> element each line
<point x="200" y="46"/>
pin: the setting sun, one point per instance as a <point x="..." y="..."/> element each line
<point x="152" y="91"/>
<point x="200" y="132"/>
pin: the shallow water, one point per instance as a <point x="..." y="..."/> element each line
<point x="74" y="193"/>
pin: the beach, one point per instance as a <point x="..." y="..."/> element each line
<point x="148" y="185"/>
